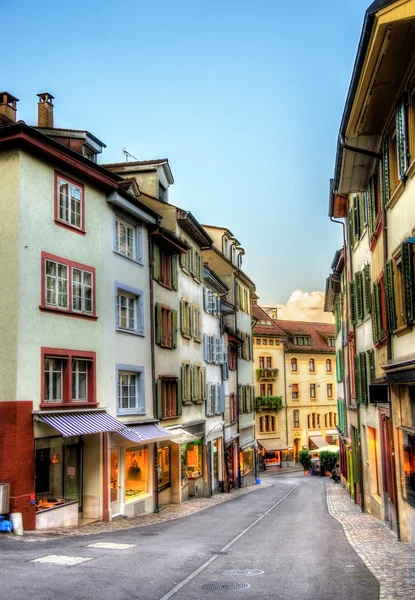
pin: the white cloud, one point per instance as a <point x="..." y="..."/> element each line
<point x="303" y="306"/>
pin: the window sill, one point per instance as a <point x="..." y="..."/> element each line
<point x="133" y="412"/>
<point x="135" y="261"/>
<point x="70" y="227"/>
<point x="396" y="195"/>
<point x="166" y="346"/>
<point x="130" y="332"/>
<point x="67" y="313"/>
<point x="169" y="418"/>
<point x="402" y="330"/>
<point x="166" y="285"/>
<point x="198" y="340"/>
<point x="187" y="336"/>
<point x="70" y="405"/>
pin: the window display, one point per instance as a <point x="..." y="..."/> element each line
<point x="163" y="467"/>
<point x="246" y="459"/>
<point x="184" y="477"/>
<point x="409" y="467"/>
<point x="58" y="471"/>
<point x="194" y="459"/>
<point x="136" y="472"/>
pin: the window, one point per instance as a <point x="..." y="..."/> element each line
<point x="246" y="398"/>
<point x="301" y="340"/>
<point x="267" y="424"/>
<point x="262" y="389"/>
<point x="215" y="404"/>
<point x="129" y="310"/>
<point x="328" y="365"/>
<point x="67" y="286"/>
<point x="197" y="323"/>
<point x="232" y="398"/>
<point x="211" y="302"/>
<point x="168" y="398"/>
<point x="265" y="342"/>
<point x="136" y="472"/>
<point x="232" y="358"/>
<point x="293" y="364"/>
<point x="296" y="418"/>
<point x="331" y="342"/>
<point x="294" y="389"/>
<point x="312" y="390"/>
<point x="166" y="326"/>
<point x="262" y="362"/>
<point x="243" y="298"/>
<point x="192" y="264"/>
<point x="268" y="362"/>
<point x="193" y="383"/>
<point x="165" y="268"/>
<point x="258" y="341"/>
<point x="329" y="390"/>
<point x="186" y="314"/>
<point x="313" y="421"/>
<point x="68" y="377"/>
<point x="89" y="154"/>
<point x="214" y="349"/>
<point x="330" y="420"/>
<point x="162" y="193"/>
<point x="408" y="467"/>
<point x="271" y="342"/>
<point x="269" y="389"/>
<point x="130" y="390"/>
<point x="69" y="203"/>
<point x="128" y="240"/>
<point x="311" y="365"/>
<point x="244" y="351"/>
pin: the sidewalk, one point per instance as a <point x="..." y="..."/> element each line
<point x="171" y="511"/>
<point x="390" y="561"/>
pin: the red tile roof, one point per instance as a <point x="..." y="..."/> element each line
<point x="318" y="333"/>
<point x="260" y="329"/>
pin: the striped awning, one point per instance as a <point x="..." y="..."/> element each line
<point x="80" y="423"/>
<point x="148" y="432"/>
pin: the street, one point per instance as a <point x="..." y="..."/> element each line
<point x="276" y="542"/>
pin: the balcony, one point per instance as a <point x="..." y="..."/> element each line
<point x="272" y="403"/>
<point x="266" y="374"/>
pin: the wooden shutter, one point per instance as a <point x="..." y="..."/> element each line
<point x="390" y="296"/>
<point x="174" y="327"/>
<point x="359" y="295"/>
<point x="402" y="137"/>
<point x="351" y="228"/>
<point x="179" y="397"/>
<point x="365" y="207"/>
<point x="357" y="380"/>
<point x="376" y="318"/>
<point x="193" y="384"/>
<point x="363" y="378"/>
<point x="339" y="365"/>
<point x="183" y="377"/>
<point x="385" y="172"/>
<point x="368" y="290"/>
<point x="201" y="268"/>
<point x="372" y="218"/>
<point x="182" y="317"/>
<point x="240" y="398"/>
<point x="157" y="263"/>
<point x="222" y="399"/>
<point x="352" y="293"/>
<point x="338" y="313"/>
<point x="206" y="347"/>
<point x="356" y="216"/>
<point x="174" y="272"/>
<point x="372" y="365"/>
<point x="407" y="282"/>
<point x="159" y="324"/>
<point x="203" y="383"/>
<point x="159" y="399"/>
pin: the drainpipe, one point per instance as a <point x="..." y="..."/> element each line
<point x="286" y="401"/>
<point x="153" y="371"/>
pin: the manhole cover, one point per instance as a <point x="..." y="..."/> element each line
<point x="219" y="552"/>
<point x="225" y="586"/>
<point x="246" y="572"/>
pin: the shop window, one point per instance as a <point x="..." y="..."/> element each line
<point x="163" y="468"/>
<point x="68" y="377"/>
<point x="194" y="459"/>
<point x="246" y="461"/>
<point x="57" y="472"/>
<point x="136" y="472"/>
<point x="408" y="449"/>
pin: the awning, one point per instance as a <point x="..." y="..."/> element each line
<point x="272" y="444"/>
<point x="183" y="437"/>
<point x="332" y="432"/>
<point x="148" y="432"/>
<point x="82" y="423"/>
<point x="318" y="440"/>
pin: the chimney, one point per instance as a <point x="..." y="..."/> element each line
<point x="8" y="105"/>
<point x="45" y="110"/>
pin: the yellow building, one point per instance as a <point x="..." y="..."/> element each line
<point x="295" y="387"/>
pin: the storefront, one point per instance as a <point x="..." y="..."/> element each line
<point x="247" y="463"/>
<point x="274" y="452"/>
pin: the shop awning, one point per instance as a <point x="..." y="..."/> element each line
<point x="318" y="440"/>
<point x="182" y="436"/>
<point x="149" y="432"/>
<point x="332" y="432"/>
<point x="272" y="444"/>
<point x="80" y="423"/>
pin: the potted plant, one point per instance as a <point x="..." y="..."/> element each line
<point x="328" y="460"/>
<point x="304" y="459"/>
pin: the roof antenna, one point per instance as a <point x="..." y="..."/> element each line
<point x="128" y="155"/>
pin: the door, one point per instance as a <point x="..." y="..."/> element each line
<point x="115" y="483"/>
<point x="387" y="469"/>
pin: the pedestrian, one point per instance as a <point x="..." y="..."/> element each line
<point x="335" y="473"/>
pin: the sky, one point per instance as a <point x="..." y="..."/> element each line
<point x="243" y="98"/>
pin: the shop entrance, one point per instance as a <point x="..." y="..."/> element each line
<point x="115" y="483"/>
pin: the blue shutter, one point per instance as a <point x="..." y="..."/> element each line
<point x="222" y="398"/>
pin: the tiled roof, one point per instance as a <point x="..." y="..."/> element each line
<point x="125" y="184"/>
<point x="157" y="161"/>
<point x="259" y="329"/>
<point x="318" y="333"/>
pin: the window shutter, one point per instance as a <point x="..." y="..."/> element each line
<point x="193" y="384"/>
<point x="174" y="272"/>
<point x="192" y="320"/>
<point x="201" y="268"/>
<point x="157" y="263"/>
<point x="205" y="298"/>
<point x="183" y="260"/>
<point x="225" y="365"/>
<point x="337" y="313"/>
<point x="209" y="399"/>
<point x="185" y="391"/>
<point x="351" y="228"/>
<point x="179" y="397"/>
<point x="159" y="399"/>
<point x="205" y="347"/>
<point x="402" y="137"/>
<point x="365" y="202"/>
<point x="359" y="295"/>
<point x="339" y="366"/>
<point x="368" y="291"/>
<point x="159" y="324"/>
<point x="356" y="216"/>
<point x="407" y="281"/>
<point x="363" y="378"/>
<point x="372" y="207"/>
<point x="352" y="291"/>
<point x="174" y="327"/>
<point x="372" y="365"/>
<point x="240" y="398"/>
<point x="222" y="399"/>
<point x="390" y="296"/>
<point x="182" y="317"/>
<point x="376" y="323"/>
<point x="203" y="384"/>
<point x="357" y="381"/>
<point x="385" y="172"/>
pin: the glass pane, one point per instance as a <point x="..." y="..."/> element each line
<point x="56" y="387"/>
<point x="50" y="268"/>
<point x="63" y="201"/>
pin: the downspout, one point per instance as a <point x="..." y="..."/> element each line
<point x="153" y="371"/>
<point x="286" y="401"/>
<point x="363" y="151"/>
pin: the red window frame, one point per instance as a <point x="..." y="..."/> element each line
<point x="71" y="265"/>
<point x="166" y="269"/>
<point x="169" y="398"/>
<point x="69" y="355"/>
<point x="232" y="358"/>
<point x="81" y="230"/>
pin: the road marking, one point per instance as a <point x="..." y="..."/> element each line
<point x="55" y="559"/>
<point x="111" y="545"/>
<point x="235" y="539"/>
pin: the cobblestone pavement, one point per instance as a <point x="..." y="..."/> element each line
<point x="390" y="561"/>
<point x="171" y="511"/>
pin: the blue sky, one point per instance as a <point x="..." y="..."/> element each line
<point x="244" y="98"/>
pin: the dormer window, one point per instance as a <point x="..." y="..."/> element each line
<point x="89" y="154"/>
<point x="162" y="193"/>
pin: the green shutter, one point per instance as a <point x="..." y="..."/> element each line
<point x="359" y="295"/>
<point x="407" y="267"/>
<point x="174" y="272"/>
<point x="157" y="263"/>
<point x="352" y="294"/>
<point x="356" y="216"/>
<point x="372" y="365"/>
<point x="390" y="296"/>
<point x="365" y="206"/>
<point x="368" y="291"/>
<point x="337" y="309"/>
<point x="159" y="399"/>
<point x="402" y="137"/>
<point x="174" y="327"/>
<point x="339" y="366"/>
<point x="179" y="397"/>
<point x="372" y="215"/>
<point x="385" y="173"/>
<point x="363" y="378"/>
<point x="357" y="381"/>
<point x="159" y="324"/>
<point x="351" y="228"/>
<point x="376" y="322"/>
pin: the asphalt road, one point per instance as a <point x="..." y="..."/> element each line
<point x="283" y="531"/>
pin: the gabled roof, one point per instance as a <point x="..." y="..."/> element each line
<point x="272" y="327"/>
<point x="143" y="165"/>
<point x="318" y="333"/>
